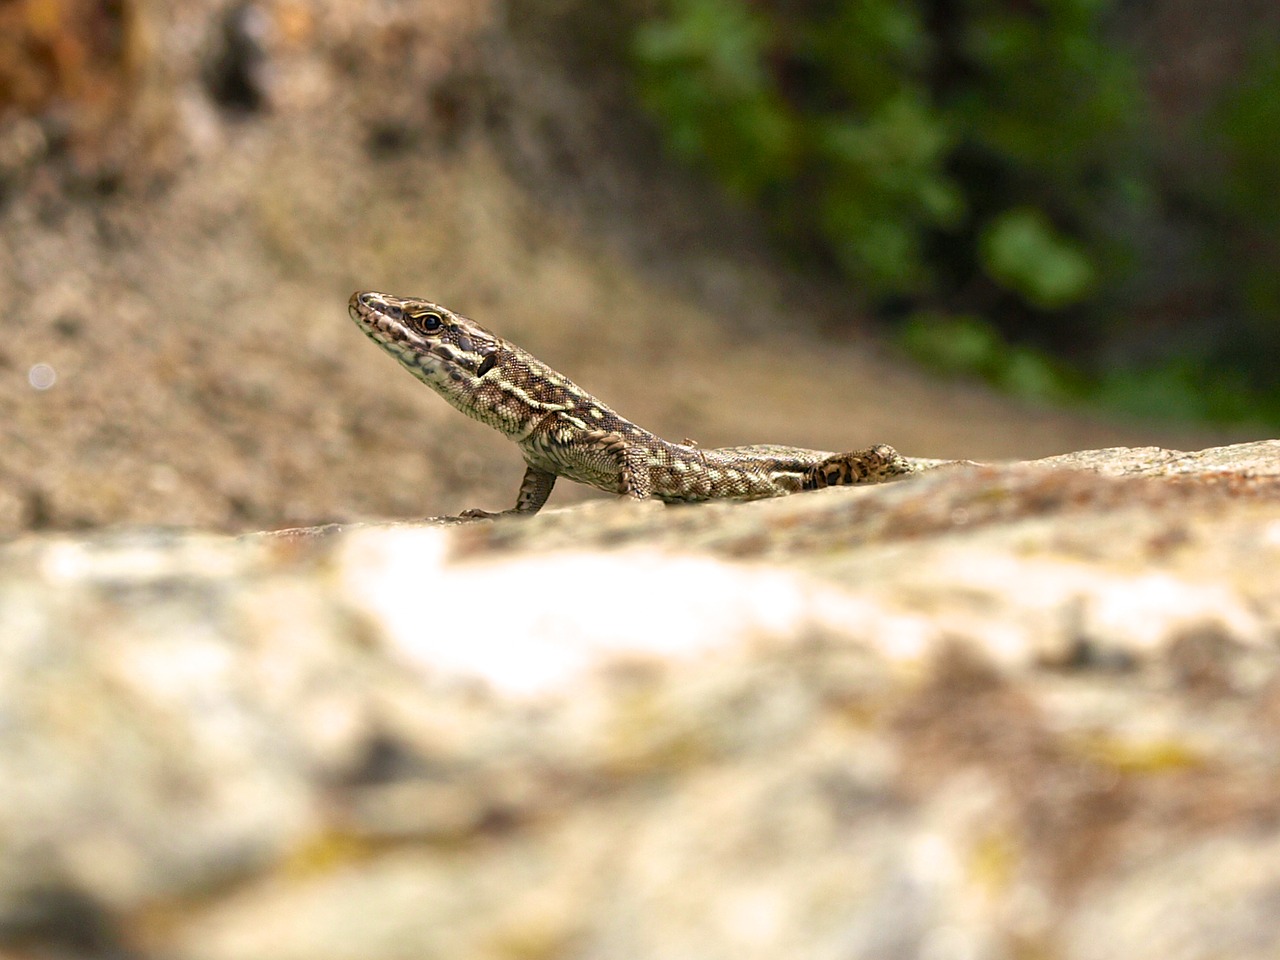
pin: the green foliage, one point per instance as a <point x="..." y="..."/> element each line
<point x="1249" y="121"/>
<point x="1050" y="96"/>
<point x="1181" y="388"/>
<point x="1247" y="126"/>
<point x="1023" y="252"/>
<point x="970" y="346"/>
<point x="868" y="132"/>
<point x="887" y="191"/>
<point x="721" y="107"/>
<point x="1187" y="389"/>
<point x="995" y="158"/>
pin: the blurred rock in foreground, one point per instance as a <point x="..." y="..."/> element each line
<point x="1002" y="712"/>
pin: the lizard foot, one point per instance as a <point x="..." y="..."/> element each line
<point x="873" y="465"/>
<point x="479" y="515"/>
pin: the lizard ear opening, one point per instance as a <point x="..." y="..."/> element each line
<point x="487" y="364"/>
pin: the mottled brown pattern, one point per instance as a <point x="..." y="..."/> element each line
<point x="563" y="431"/>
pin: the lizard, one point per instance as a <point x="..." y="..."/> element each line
<point x="564" y="431"/>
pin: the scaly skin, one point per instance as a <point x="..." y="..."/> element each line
<point x="563" y="431"/>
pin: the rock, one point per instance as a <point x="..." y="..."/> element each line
<point x="999" y="711"/>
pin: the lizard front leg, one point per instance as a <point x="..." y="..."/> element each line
<point x="629" y="459"/>
<point x="534" y="490"/>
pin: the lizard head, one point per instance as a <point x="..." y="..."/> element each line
<point x="441" y="348"/>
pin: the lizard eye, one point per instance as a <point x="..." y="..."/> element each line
<point x="431" y="322"/>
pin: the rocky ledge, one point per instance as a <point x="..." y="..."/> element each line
<point x="1024" y="710"/>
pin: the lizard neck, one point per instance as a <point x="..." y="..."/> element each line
<point x="519" y="393"/>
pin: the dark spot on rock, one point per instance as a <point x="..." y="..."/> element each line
<point x="388" y="138"/>
<point x="1087" y="653"/>
<point x="451" y="103"/>
<point x="65" y="918"/>
<point x="499" y="820"/>
<point x="1199" y="660"/>
<point x="234" y="75"/>
<point x="241" y="508"/>
<point x="382" y="759"/>
<point x="37" y="514"/>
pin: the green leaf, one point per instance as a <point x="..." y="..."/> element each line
<point x="1022" y="252"/>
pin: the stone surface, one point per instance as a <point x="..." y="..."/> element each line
<point x="990" y="712"/>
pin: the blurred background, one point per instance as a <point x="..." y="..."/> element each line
<point x="969" y="228"/>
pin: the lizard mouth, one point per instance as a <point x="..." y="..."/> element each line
<point x="364" y="309"/>
<point x="360" y="310"/>
<point x="374" y="316"/>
